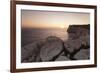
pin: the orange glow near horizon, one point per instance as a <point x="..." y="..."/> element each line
<point x="51" y="19"/>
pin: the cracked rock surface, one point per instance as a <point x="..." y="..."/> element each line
<point x="77" y="47"/>
<point x="53" y="47"/>
<point x="82" y="54"/>
<point x="30" y="52"/>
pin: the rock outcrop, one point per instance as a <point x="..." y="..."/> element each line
<point x="52" y="48"/>
<point x="79" y="38"/>
<point x="62" y="58"/>
<point x="30" y="52"/>
<point x="77" y="47"/>
<point x="72" y="45"/>
<point x="77" y="31"/>
<point x="82" y="54"/>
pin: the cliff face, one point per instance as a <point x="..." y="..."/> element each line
<point x="73" y="27"/>
<point x="78" y="41"/>
<point x="76" y="31"/>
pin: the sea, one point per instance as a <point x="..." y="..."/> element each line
<point x="29" y="35"/>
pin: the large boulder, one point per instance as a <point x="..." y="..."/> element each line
<point x="85" y="40"/>
<point x="83" y="54"/>
<point x="62" y="58"/>
<point x="82" y="42"/>
<point x="78" y="37"/>
<point x="29" y="53"/>
<point x="72" y="45"/>
<point x="51" y="49"/>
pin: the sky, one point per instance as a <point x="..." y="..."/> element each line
<point x="52" y="19"/>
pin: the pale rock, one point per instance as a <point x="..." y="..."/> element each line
<point x="83" y="54"/>
<point x="62" y="58"/>
<point x="72" y="45"/>
<point x="53" y="46"/>
<point x="29" y="52"/>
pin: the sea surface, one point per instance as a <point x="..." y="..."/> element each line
<point x="29" y="35"/>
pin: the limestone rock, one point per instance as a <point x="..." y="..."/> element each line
<point x="29" y="52"/>
<point x="79" y="38"/>
<point x="82" y="54"/>
<point x="62" y="58"/>
<point x="85" y="40"/>
<point x="76" y="31"/>
<point x="52" y="47"/>
<point x="72" y="45"/>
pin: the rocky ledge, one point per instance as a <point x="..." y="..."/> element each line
<point x="77" y="47"/>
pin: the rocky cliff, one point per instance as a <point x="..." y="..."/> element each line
<point x="77" y="47"/>
<point x="78" y="41"/>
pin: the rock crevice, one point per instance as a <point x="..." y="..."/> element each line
<point x="77" y="47"/>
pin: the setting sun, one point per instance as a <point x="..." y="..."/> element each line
<point x="62" y="26"/>
<point x="52" y="19"/>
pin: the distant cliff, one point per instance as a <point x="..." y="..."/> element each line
<point x="78" y="43"/>
<point x="76" y="31"/>
<point x="72" y="28"/>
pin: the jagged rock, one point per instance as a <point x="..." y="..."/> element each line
<point x="85" y="40"/>
<point x="62" y="58"/>
<point x="51" y="49"/>
<point x="78" y="28"/>
<point x="76" y="47"/>
<point x="76" y="31"/>
<point x="30" y="52"/>
<point x="72" y="45"/>
<point x="83" y="54"/>
<point x="34" y="58"/>
<point x="79" y="37"/>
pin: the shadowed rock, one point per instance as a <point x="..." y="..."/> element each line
<point x="72" y="45"/>
<point x="76" y="44"/>
<point x="52" y="48"/>
<point x="62" y="58"/>
<point x="78" y="35"/>
<point x="29" y="53"/>
<point x="76" y="31"/>
<point x="85" y="40"/>
<point x="75" y="28"/>
<point x="82" y="54"/>
<point x="79" y="38"/>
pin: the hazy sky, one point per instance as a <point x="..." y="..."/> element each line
<point x="51" y="19"/>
